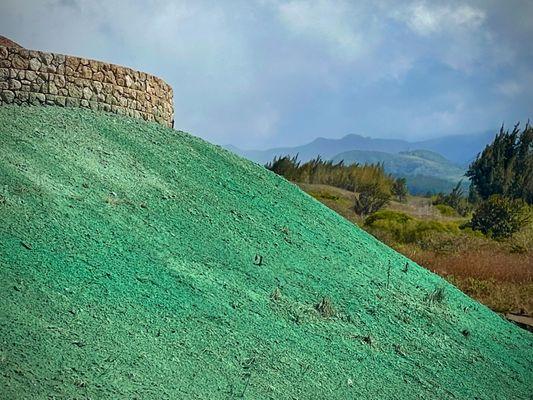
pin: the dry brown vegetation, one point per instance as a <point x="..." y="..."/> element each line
<point x="501" y="280"/>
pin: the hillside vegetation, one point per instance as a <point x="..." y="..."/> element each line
<point x="413" y="165"/>
<point x="421" y="162"/>
<point x="141" y="262"/>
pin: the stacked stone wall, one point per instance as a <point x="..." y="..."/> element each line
<point x="30" y="77"/>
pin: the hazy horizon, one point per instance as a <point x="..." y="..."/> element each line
<point x="384" y="137"/>
<point x="271" y="73"/>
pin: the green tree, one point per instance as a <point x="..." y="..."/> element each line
<point x="285" y="166"/>
<point x="500" y="217"/>
<point x="370" y="197"/>
<point x="505" y="166"/>
<point x="399" y="189"/>
<point x="455" y="199"/>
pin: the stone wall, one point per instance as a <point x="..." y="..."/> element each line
<point x="38" y="78"/>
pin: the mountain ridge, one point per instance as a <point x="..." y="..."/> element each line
<point x="460" y="149"/>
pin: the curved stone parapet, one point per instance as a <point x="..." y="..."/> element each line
<point x="38" y="78"/>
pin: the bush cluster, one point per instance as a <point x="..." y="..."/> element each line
<point x="455" y="199"/>
<point x="405" y="229"/>
<point x="500" y="217"/>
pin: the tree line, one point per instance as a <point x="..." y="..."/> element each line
<point x="501" y="183"/>
<point x="373" y="187"/>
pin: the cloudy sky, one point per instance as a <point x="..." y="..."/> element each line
<point x="259" y="73"/>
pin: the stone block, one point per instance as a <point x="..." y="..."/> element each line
<point x="74" y="90"/>
<point x="8" y="96"/>
<point x="59" y="81"/>
<point x="23" y="96"/>
<point x="59" y="59"/>
<point x="19" y="62"/>
<point x="50" y="99"/>
<point x="71" y="102"/>
<point x="110" y="78"/>
<point x="86" y="72"/>
<point x="72" y="63"/>
<point x="52" y="88"/>
<point x="35" y="64"/>
<point x="14" y="84"/>
<point x="37" y="99"/>
<point x="87" y="93"/>
<point x="97" y="87"/>
<point x="46" y="58"/>
<point x="30" y="76"/>
<point x="4" y="74"/>
<point x="36" y="87"/>
<point x="61" y="101"/>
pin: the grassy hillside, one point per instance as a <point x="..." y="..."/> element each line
<point x="410" y="164"/>
<point x="141" y="262"/>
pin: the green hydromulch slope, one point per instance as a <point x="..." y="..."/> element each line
<point x="141" y="262"/>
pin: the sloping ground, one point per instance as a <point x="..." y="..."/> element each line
<point x="140" y="262"/>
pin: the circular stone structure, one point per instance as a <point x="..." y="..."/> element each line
<point x="29" y="77"/>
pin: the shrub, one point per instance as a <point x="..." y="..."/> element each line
<point x="437" y="296"/>
<point x="446" y="210"/>
<point x="455" y="199"/>
<point x="325" y="307"/>
<point x="370" y="198"/>
<point x="286" y="166"/>
<point x="405" y="229"/>
<point x="500" y="217"/>
<point x="399" y="189"/>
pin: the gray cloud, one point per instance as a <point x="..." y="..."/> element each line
<point x="268" y="72"/>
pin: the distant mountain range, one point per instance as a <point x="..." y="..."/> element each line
<point x="460" y="149"/>
<point x="434" y="165"/>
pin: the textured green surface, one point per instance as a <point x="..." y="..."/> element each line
<point x="127" y="260"/>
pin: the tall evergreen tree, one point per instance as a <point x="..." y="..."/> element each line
<point x="505" y="166"/>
